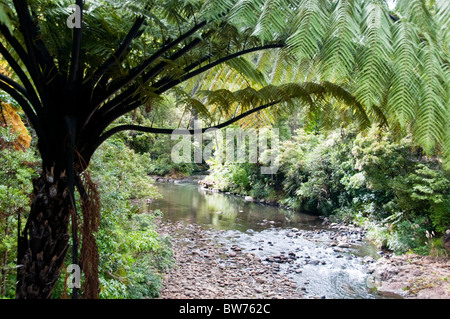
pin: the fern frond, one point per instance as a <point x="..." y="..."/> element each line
<point x="252" y="75"/>
<point x="310" y="28"/>
<point x="372" y="59"/>
<point x="337" y="57"/>
<point x="348" y="99"/>
<point x="404" y="90"/>
<point x="246" y="12"/>
<point x="418" y="12"/>
<point x="432" y="108"/>
<point x="272" y="21"/>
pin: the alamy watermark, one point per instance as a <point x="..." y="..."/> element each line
<point x="74" y="19"/>
<point x="237" y="146"/>
<point x="74" y="276"/>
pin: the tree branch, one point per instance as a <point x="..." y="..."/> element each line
<point x="111" y="107"/>
<point x="19" y="88"/>
<point x="111" y="112"/>
<point x="119" y="54"/>
<point x="23" y="55"/>
<point x="121" y="128"/>
<point x="17" y="47"/>
<point x="139" y="70"/>
<point x="185" y="77"/>
<point x="25" y="107"/>
<point x="75" y="69"/>
<point x="125" y="96"/>
<point x="188" y="68"/>
<point x="31" y="93"/>
<point x="37" y="52"/>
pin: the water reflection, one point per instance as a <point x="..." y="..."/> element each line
<point x="189" y="203"/>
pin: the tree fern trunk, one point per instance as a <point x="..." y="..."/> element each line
<point x="44" y="241"/>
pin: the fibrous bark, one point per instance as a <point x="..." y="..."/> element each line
<point x="44" y="241"/>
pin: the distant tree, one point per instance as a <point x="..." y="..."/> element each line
<point x="74" y="82"/>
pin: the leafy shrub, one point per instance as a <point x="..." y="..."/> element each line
<point x="19" y="166"/>
<point x="132" y="253"/>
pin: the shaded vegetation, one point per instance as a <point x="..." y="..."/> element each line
<point x="369" y="179"/>
<point x="132" y="255"/>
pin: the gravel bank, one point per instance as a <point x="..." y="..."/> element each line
<point x="412" y="277"/>
<point x="206" y="269"/>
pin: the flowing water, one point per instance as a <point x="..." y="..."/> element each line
<point x="319" y="268"/>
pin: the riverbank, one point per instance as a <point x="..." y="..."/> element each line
<point x="412" y="277"/>
<point x="209" y="263"/>
<point x="205" y="269"/>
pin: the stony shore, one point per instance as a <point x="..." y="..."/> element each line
<point x="205" y="269"/>
<point x="412" y="277"/>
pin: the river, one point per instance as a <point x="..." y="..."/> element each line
<point x="320" y="268"/>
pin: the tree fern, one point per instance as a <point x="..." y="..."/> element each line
<point x="404" y="91"/>
<point x="373" y="55"/>
<point x="337" y="57"/>
<point x="392" y="64"/>
<point x="310" y="27"/>
<point x="432" y="109"/>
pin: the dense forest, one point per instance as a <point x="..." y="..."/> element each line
<point x="358" y="91"/>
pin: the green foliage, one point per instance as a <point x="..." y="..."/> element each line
<point x="367" y="178"/>
<point x="18" y="169"/>
<point x="390" y="61"/>
<point x="158" y="149"/>
<point x="425" y="192"/>
<point x="122" y="173"/>
<point x="132" y="253"/>
<point x="389" y="71"/>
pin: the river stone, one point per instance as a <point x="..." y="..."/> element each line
<point x="236" y="248"/>
<point x="249" y="199"/>
<point x="291" y="234"/>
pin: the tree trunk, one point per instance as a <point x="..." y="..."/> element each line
<point x="44" y="241"/>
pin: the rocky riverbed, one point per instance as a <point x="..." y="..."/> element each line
<point x="206" y="268"/>
<point x="215" y="264"/>
<point x="275" y="263"/>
